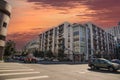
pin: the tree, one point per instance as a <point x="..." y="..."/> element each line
<point x="37" y="53"/>
<point x="49" y="54"/>
<point x="10" y="48"/>
<point x="24" y="53"/>
<point x="61" y="54"/>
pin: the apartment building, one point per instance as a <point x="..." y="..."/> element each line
<point x="58" y="40"/>
<point x="5" y="13"/>
<point x="78" y="41"/>
<point x="89" y="40"/>
<point x="115" y="31"/>
<point x="100" y="43"/>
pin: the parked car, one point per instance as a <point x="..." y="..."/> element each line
<point x="21" y="58"/>
<point x="31" y="60"/>
<point x="97" y="63"/>
<point x="55" y="60"/>
<point x="116" y="61"/>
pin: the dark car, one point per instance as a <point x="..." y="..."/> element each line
<point x="22" y="58"/>
<point x="97" y="63"/>
<point x="30" y="60"/>
<point x="116" y="61"/>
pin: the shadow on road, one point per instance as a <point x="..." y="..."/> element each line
<point x="50" y="62"/>
<point x="104" y="71"/>
<point x="63" y="62"/>
<point x="57" y="63"/>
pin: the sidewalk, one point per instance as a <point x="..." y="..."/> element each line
<point x="62" y="62"/>
<point x="1" y="61"/>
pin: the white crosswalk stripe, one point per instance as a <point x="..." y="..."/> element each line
<point x="83" y="71"/>
<point x="29" y="78"/>
<point x="7" y="74"/>
<point x="17" y="70"/>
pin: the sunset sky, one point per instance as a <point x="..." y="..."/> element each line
<point x="31" y="17"/>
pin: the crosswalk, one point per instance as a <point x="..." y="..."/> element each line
<point x="83" y="71"/>
<point x="16" y="71"/>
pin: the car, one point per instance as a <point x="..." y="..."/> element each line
<point x="21" y="58"/>
<point x="55" y="60"/>
<point x="116" y="61"/>
<point x="31" y="60"/>
<point x="99" y="63"/>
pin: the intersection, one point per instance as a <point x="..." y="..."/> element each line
<point x="21" y="71"/>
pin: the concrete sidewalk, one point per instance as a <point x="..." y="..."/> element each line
<point x="62" y="62"/>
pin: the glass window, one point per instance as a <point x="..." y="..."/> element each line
<point x="2" y="37"/>
<point x="82" y="39"/>
<point x="82" y="48"/>
<point x="77" y="50"/>
<point x="75" y="28"/>
<point x="76" y="33"/>
<point x="76" y="44"/>
<point x="4" y="24"/>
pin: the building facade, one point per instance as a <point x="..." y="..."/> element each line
<point x="58" y="40"/>
<point x="5" y="13"/>
<point x="100" y="43"/>
<point x="78" y="42"/>
<point x="115" y="31"/>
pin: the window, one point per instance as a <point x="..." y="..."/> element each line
<point x="76" y="33"/>
<point x="76" y="44"/>
<point x="82" y="49"/>
<point x="2" y="37"/>
<point x="4" y="24"/>
<point x="82" y="39"/>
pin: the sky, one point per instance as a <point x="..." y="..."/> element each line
<point x="32" y="17"/>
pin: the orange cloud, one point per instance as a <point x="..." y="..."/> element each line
<point x="31" y="17"/>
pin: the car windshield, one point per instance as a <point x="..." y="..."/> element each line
<point x="107" y="61"/>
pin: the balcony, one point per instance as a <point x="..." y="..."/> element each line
<point x="50" y="38"/>
<point x="50" y="42"/>
<point x="60" y="38"/>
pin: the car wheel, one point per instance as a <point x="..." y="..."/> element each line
<point x="92" y="67"/>
<point x="111" y="69"/>
<point x="97" y="68"/>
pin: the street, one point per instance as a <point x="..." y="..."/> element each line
<point x="22" y="71"/>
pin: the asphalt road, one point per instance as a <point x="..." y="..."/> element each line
<point x="21" y="71"/>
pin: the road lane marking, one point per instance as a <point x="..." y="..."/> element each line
<point x="11" y="68"/>
<point x="83" y="71"/>
<point x="28" y="78"/>
<point x="17" y="70"/>
<point x="8" y="67"/>
<point x="8" y="74"/>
